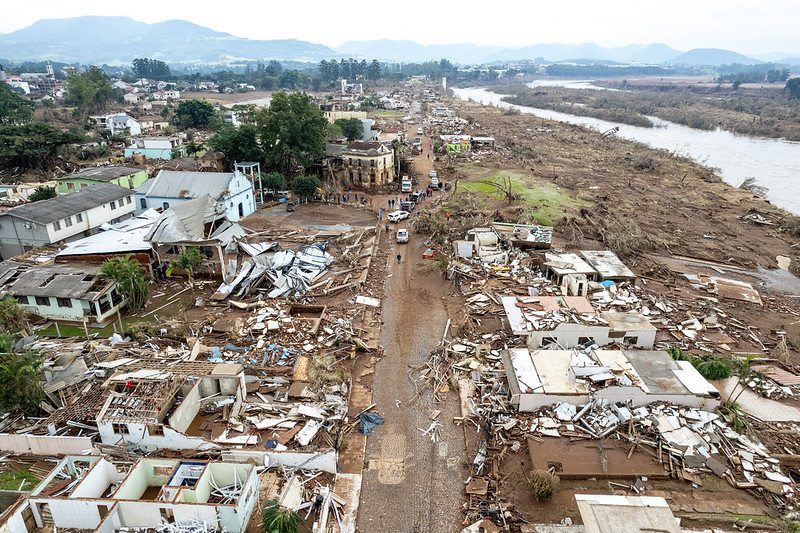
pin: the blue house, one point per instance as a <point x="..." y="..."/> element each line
<point x="232" y="191"/>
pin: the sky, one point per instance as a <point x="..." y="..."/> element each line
<point x="746" y="26"/>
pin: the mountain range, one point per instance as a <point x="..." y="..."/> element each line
<point x="119" y="40"/>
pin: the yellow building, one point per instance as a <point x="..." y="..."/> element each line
<point x="368" y="163"/>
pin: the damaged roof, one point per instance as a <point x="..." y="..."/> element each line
<point x="59" y="281"/>
<point x="177" y="184"/>
<point x="184" y="221"/>
<point x="102" y="173"/>
<point x="47" y="211"/>
<point x="608" y="265"/>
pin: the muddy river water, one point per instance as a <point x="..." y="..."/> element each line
<point x="774" y="163"/>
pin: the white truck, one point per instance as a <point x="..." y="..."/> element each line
<point x="405" y="184"/>
<point x="434" y="179"/>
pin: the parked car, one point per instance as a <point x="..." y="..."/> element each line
<point x="406" y="206"/>
<point x="402" y="236"/>
<point x="430" y="253"/>
<point x="416" y="196"/>
<point x="397" y="216"/>
<point x="291" y="207"/>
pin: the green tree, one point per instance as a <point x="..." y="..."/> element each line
<point x="14" y="109"/>
<point x="13" y="318"/>
<point x="90" y="90"/>
<point x="131" y="278"/>
<point x="21" y="373"/>
<point x="195" y="113"/>
<point x="352" y="128"/>
<point x="292" y="132"/>
<point x="151" y="68"/>
<point x="189" y="261"/>
<point x="33" y="145"/>
<point x="305" y="186"/>
<point x="273" y="181"/>
<point x="278" y="519"/>
<point x="334" y="131"/>
<point x="374" y="70"/>
<point x="42" y="192"/>
<point x="193" y="148"/>
<point x="238" y="144"/>
<point x="793" y="88"/>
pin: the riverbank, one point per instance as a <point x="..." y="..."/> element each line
<point x="760" y="112"/>
<point x="628" y="197"/>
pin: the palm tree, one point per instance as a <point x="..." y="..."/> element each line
<point x="745" y="372"/>
<point x="131" y="278"/>
<point x="190" y="260"/>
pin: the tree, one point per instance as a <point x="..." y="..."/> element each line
<point x="193" y="148"/>
<point x="305" y="186"/>
<point x="238" y="144"/>
<point x="195" y="113"/>
<point x="131" y="278"/>
<point x="151" y="68"/>
<point x="745" y="372"/>
<point x="793" y="88"/>
<point x="13" y="108"/>
<point x="21" y="373"/>
<point x="374" y="70"/>
<point x="90" y="90"/>
<point x="334" y="131"/>
<point x="736" y="84"/>
<point x="352" y="128"/>
<point x="42" y="192"/>
<point x="190" y="260"/>
<point x="13" y="318"/>
<point x="33" y="145"/>
<point x="273" y="181"/>
<point x="292" y="132"/>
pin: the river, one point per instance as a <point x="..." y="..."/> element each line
<point x="774" y="163"/>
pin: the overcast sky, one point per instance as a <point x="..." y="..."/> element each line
<point x="747" y="26"/>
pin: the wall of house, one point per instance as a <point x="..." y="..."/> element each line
<point x="95" y="483"/>
<point x="79" y="309"/>
<point x="138" y="436"/>
<point x="74" y="514"/>
<point x="15" y="523"/>
<point x="384" y="168"/>
<point x="183" y="415"/>
<point x="112" y="522"/>
<point x="44" y="444"/>
<point x="129" y="182"/>
<point x="533" y="402"/>
<point x="15" y="238"/>
<point x="567" y="335"/>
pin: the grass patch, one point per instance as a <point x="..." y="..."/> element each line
<point x="12" y="479"/>
<point x="388" y="113"/>
<point x="546" y="202"/>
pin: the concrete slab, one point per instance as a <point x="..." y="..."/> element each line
<point x="758" y="406"/>
<point x="585" y="459"/>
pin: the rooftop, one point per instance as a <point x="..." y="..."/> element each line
<point x="176" y="184"/>
<point x="608" y="265"/>
<point x="102" y="173"/>
<point x="58" y="281"/>
<point x="47" y="211"/>
<point x="563" y="264"/>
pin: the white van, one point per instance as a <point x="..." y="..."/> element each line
<point x="405" y="184"/>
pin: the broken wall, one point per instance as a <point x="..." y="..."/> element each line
<point x="568" y="335"/>
<point x="186" y="412"/>
<point x="44" y="444"/>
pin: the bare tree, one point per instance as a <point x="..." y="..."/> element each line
<point x="505" y="185"/>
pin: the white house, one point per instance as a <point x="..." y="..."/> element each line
<point x="156" y="147"/>
<point x="118" y="123"/>
<point x="72" y="293"/>
<point x="64" y="218"/>
<point x="105" y="496"/>
<point x="231" y="190"/>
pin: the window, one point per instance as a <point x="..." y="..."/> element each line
<point x="23" y="300"/>
<point x="56" y="226"/>
<point x="630" y="339"/>
<point x="70" y="186"/>
<point x="585" y="340"/>
<point x="42" y="300"/>
<point x="143" y="203"/>
<point x="64" y="302"/>
<point x="79" y="218"/>
<point x="128" y="200"/>
<point x="83" y="185"/>
<point x="113" y="205"/>
<point x="68" y="221"/>
<point x="120" y="429"/>
<point x="165" y="205"/>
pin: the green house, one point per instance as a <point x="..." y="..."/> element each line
<point x="128" y="177"/>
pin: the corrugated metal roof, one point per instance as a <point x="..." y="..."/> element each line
<point x="184" y="222"/>
<point x="174" y="184"/>
<point x="102" y="173"/>
<point x="46" y="211"/>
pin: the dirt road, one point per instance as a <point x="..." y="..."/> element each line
<point x="411" y="484"/>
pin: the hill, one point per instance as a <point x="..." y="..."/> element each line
<point x="115" y="40"/>
<point x="712" y="56"/>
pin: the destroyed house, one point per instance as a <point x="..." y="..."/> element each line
<point x="73" y="293"/>
<point x="569" y="321"/>
<point x="232" y="191"/>
<point x="65" y="218"/>
<point x="557" y="266"/>
<point x="483" y="243"/>
<point x="90" y="492"/>
<point x="608" y="266"/>
<point x="526" y="236"/>
<point x="537" y="378"/>
<point x="151" y="410"/>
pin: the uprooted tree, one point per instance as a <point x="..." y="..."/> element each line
<point x="504" y="185"/>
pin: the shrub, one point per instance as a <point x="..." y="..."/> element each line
<point x="713" y="367"/>
<point x="13" y="318"/>
<point x="277" y="519"/>
<point x="542" y="485"/>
